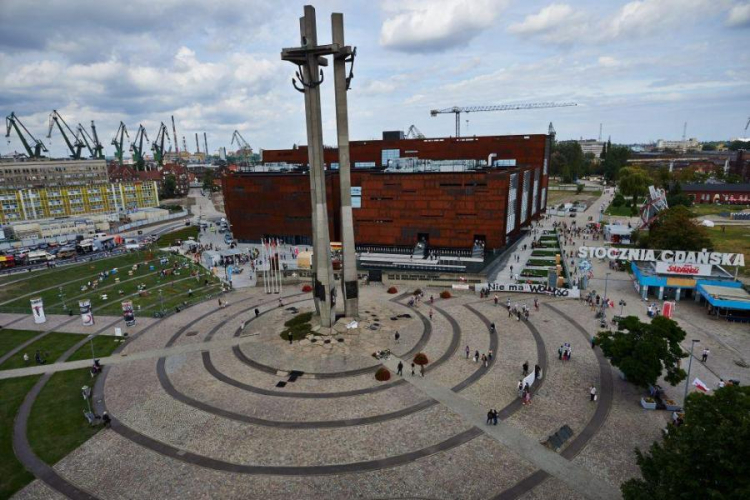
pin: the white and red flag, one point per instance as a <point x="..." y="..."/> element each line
<point x="700" y="385"/>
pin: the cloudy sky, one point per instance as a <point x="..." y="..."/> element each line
<point x="642" y="68"/>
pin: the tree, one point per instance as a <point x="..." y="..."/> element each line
<point x="579" y="188"/>
<point x="674" y="229"/>
<point x="617" y="157"/>
<point x="676" y="197"/>
<point x="703" y="457"/>
<point x="643" y="351"/>
<point x="567" y="155"/>
<point x="208" y="180"/>
<point x="169" y="187"/>
<point x="633" y="182"/>
<point x="737" y="145"/>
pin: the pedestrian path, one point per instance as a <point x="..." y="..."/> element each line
<point x="512" y="267"/>
<point x="575" y="476"/>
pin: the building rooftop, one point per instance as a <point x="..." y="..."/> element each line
<point x="721" y="188"/>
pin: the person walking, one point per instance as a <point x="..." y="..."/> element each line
<point x="489" y="355"/>
<point x="537" y="372"/>
<point x="520" y="388"/>
<point x="560" y="352"/>
<point x="430" y="314"/>
<point x="493" y="330"/>
<point x="476" y="356"/>
<point x="468" y="351"/>
<point x="400" y="370"/>
<point x="495" y="415"/>
<point x="536" y="304"/>
<point x="497" y="299"/>
<point x="490" y="416"/>
<point x="290" y="336"/>
<point x="592" y="392"/>
<point x="26" y="359"/>
<point x="421" y="370"/>
<point x="525" y="367"/>
<point x="397" y="336"/>
<point x="484" y="360"/>
<point x="704" y="356"/>
<point x="412" y="368"/>
<point x="257" y="312"/>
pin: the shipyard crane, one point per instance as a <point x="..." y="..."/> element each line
<point x="158" y="145"/>
<point x="118" y="141"/>
<point x="747" y="124"/>
<point x="503" y="107"/>
<point x="205" y="144"/>
<point x="414" y="133"/>
<point x="174" y="134"/>
<point x="243" y="147"/>
<point x="13" y="122"/>
<point x="74" y="143"/>
<point x="96" y="150"/>
<point x="137" y="148"/>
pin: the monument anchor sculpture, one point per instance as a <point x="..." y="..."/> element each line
<point x="309" y="57"/>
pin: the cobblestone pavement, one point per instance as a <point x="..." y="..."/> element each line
<point x="217" y="424"/>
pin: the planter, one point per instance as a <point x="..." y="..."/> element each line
<point x="648" y="405"/>
<point x="671" y="405"/>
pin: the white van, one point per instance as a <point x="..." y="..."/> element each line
<point x="40" y="256"/>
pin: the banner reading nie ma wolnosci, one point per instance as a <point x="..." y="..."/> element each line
<point x="37" y="309"/>
<point x="87" y="317"/>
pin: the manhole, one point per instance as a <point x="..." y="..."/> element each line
<point x="313" y="340"/>
<point x="340" y="340"/>
<point x="281" y="383"/>
<point x="191" y="333"/>
<point x="376" y="324"/>
<point x="327" y="341"/>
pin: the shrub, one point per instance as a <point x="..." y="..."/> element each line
<point x="618" y="200"/>
<point x="393" y="290"/>
<point x="299" y="319"/>
<point x="307" y="289"/>
<point x="445" y="294"/>
<point x="421" y="359"/>
<point x="382" y="374"/>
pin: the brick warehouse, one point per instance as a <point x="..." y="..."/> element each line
<point x="449" y="209"/>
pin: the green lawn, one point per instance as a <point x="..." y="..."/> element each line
<point x="534" y="273"/>
<point x="52" y="346"/>
<point x="713" y="209"/>
<point x="732" y="239"/>
<point x="181" y="234"/>
<point x="104" y="345"/>
<point x="544" y="253"/>
<point x="56" y="424"/>
<point x="29" y="283"/>
<point x="13" y="475"/>
<point x="621" y="211"/>
<point x="9" y="339"/>
<point x="541" y="262"/>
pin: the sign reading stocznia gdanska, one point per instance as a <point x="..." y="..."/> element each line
<point x="669" y="256"/>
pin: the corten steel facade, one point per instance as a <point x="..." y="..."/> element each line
<point x="449" y="209"/>
<point x="526" y="150"/>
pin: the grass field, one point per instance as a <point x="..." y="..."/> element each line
<point x="733" y="239"/>
<point x="9" y="339"/>
<point x="52" y="346"/>
<point x="181" y="234"/>
<point x="106" y="298"/>
<point x="104" y="345"/>
<point x="25" y="284"/>
<point x="555" y="197"/>
<point x="712" y="209"/>
<point x="56" y="424"/>
<point x="13" y="475"/>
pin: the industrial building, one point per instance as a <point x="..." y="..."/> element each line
<point x="41" y="173"/>
<point x="718" y="193"/>
<point x="457" y="192"/>
<point x="54" y="202"/>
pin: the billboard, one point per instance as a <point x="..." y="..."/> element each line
<point x="87" y="317"/>
<point x="37" y="309"/>
<point x="684" y="269"/>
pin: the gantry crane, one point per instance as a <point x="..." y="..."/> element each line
<point x="414" y="133"/>
<point x="118" y="141"/>
<point x="96" y="150"/>
<point x="74" y="143"/>
<point x="243" y="147"/>
<point x="137" y="148"/>
<point x="503" y="107"/>
<point x="13" y="122"/>
<point x="158" y="145"/>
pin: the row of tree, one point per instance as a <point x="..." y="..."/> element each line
<point x="568" y="161"/>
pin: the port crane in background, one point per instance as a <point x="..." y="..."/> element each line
<point x="205" y="144"/>
<point x="158" y="145"/>
<point x="13" y="122"/>
<point x="96" y="150"/>
<point x="119" y="141"/>
<point x="414" y="133"/>
<point x="74" y="143"/>
<point x="502" y="107"/>
<point x="176" y="139"/>
<point x="243" y="147"/>
<point x="137" y="148"/>
<point x="197" y="145"/>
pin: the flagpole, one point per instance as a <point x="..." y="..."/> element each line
<point x="687" y="379"/>
<point x="281" y="281"/>
<point x="266" y="285"/>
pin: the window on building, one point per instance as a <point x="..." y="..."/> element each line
<point x="544" y="198"/>
<point x="525" y="195"/>
<point x="510" y="222"/>
<point x="364" y="164"/>
<point x="545" y="166"/>
<point x="535" y="198"/>
<point x="389" y="154"/>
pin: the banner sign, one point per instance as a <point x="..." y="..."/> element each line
<point x="37" y="309"/>
<point x="529" y="379"/>
<point x="87" y="317"/>
<point x="127" y="313"/>
<point x="667" y="310"/>
<point x="684" y="269"/>
<point x="538" y="289"/>
<point x="669" y="256"/>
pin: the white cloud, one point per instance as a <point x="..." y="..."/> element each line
<point x="739" y="16"/>
<point x="436" y="25"/>
<point x="556" y="22"/>
<point x="609" y="62"/>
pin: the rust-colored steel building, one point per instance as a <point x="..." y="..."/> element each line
<point x="448" y="209"/>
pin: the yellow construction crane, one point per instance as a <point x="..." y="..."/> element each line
<point x="502" y="107"/>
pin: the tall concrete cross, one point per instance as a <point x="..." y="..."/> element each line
<point x="308" y="58"/>
<point x="341" y="84"/>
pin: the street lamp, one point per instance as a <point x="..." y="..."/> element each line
<point x="622" y="303"/>
<point x="161" y="303"/>
<point x="62" y="298"/>
<point x="91" y="341"/>
<point x="604" y="298"/>
<point x="690" y="364"/>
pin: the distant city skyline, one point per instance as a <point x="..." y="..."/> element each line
<point x="641" y="68"/>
